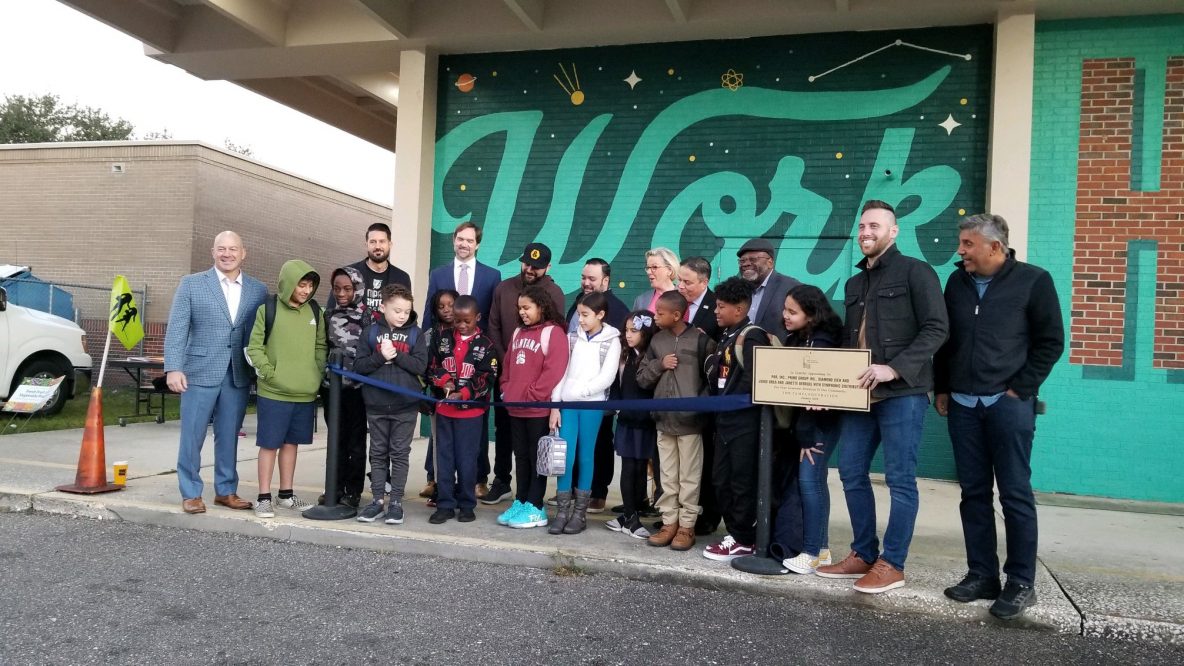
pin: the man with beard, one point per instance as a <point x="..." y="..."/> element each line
<point x="377" y="272"/>
<point x="896" y="310"/>
<point x="756" y="258"/>
<point x="503" y="319"/>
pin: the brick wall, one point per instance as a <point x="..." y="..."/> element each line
<point x="1110" y="214"/>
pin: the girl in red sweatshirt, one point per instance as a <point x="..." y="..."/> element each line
<point x="536" y="358"/>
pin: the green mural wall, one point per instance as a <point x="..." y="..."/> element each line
<point x="1109" y="430"/>
<point x="699" y="146"/>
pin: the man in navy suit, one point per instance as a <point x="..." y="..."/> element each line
<point x="756" y="259"/>
<point x="468" y="277"/>
<point x="464" y="269"/>
<point x="209" y="327"/>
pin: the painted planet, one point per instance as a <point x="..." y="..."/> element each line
<point x="465" y="82"/>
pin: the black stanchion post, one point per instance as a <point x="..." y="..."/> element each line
<point x="760" y="562"/>
<point x="331" y="510"/>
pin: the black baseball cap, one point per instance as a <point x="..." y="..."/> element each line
<point x="536" y="255"/>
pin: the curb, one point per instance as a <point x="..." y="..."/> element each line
<point x="1048" y="617"/>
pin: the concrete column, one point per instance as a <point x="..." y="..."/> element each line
<point x="1010" y="161"/>
<point x="415" y="153"/>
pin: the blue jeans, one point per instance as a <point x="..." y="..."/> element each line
<point x="227" y="404"/>
<point x="993" y="445"/>
<point x="815" y="500"/>
<point x="896" y="424"/>
<point x="580" y="428"/>
<point x="457" y="442"/>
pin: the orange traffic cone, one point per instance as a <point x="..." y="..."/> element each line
<point x="92" y="458"/>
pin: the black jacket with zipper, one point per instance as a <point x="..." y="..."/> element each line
<point x="1008" y="339"/>
<point x="906" y="319"/>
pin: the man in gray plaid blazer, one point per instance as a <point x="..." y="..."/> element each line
<point x="209" y="326"/>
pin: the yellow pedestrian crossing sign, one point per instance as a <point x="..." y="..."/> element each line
<point x="126" y="322"/>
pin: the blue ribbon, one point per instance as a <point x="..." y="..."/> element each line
<point x="716" y="403"/>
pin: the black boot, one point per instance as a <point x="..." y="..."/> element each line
<point x="562" y="513"/>
<point x="578" y="519"/>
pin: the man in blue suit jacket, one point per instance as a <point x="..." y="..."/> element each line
<point x="756" y="259"/>
<point x="481" y="280"/>
<point x="209" y="327"/>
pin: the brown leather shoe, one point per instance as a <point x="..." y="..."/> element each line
<point x="664" y="535"/>
<point x="232" y="501"/>
<point x="852" y="566"/>
<point x="684" y="539"/>
<point x="193" y="505"/>
<point x="596" y="505"/>
<point x="429" y="490"/>
<point x="881" y="578"/>
<point x="482" y="490"/>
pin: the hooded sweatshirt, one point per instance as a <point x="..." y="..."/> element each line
<point x="692" y="348"/>
<point x="347" y="322"/>
<point x="405" y="370"/>
<point x="528" y="373"/>
<point x="590" y="372"/>
<point x="290" y="366"/>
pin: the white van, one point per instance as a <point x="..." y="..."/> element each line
<point x="37" y="344"/>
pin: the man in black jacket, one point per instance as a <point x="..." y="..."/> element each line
<point x="894" y="309"/>
<point x="1006" y="333"/>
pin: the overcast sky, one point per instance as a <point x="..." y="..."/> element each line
<point x="50" y="48"/>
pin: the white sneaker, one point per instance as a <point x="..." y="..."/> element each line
<point x="802" y="563"/>
<point x="293" y="503"/>
<point x="263" y="509"/>
<point x="824" y="558"/>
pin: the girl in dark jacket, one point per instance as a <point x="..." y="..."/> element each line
<point x="636" y="437"/>
<point x="812" y="323"/>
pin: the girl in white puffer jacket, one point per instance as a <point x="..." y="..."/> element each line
<point x="595" y="354"/>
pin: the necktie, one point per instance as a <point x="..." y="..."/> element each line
<point x="462" y="285"/>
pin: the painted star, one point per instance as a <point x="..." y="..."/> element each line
<point x="633" y="79"/>
<point x="949" y="124"/>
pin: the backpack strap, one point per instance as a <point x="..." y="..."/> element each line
<point x="269" y="307"/>
<point x="604" y="347"/>
<point x="545" y="338"/>
<point x="740" y="344"/>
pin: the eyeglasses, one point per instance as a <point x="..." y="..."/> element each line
<point x="753" y="258"/>
<point x="653" y="268"/>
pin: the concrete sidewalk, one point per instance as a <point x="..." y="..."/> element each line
<point x="1101" y="573"/>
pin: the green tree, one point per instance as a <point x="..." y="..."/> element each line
<point x="46" y="119"/>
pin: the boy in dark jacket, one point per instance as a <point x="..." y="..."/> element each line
<point x="737" y="433"/>
<point x="463" y="366"/>
<point x="394" y="352"/>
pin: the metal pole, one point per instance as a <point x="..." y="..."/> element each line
<point x="760" y="562"/>
<point x="331" y="510"/>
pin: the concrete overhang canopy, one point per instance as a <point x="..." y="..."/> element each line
<point x="338" y="60"/>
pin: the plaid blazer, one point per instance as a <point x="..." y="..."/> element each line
<point x="200" y="340"/>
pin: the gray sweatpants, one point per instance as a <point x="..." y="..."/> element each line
<point x="390" y="449"/>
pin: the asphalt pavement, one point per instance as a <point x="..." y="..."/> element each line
<point x="82" y="591"/>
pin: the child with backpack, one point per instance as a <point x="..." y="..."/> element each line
<point x="812" y="323"/>
<point x="737" y="433"/>
<point x="535" y="360"/>
<point x="673" y="368"/>
<point x="636" y="438"/>
<point x="288" y="351"/>
<point x="395" y="353"/>
<point x="595" y="352"/>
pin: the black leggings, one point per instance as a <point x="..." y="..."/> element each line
<point x="633" y="484"/>
<point x="526" y="431"/>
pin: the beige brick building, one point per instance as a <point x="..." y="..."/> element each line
<point x="80" y="213"/>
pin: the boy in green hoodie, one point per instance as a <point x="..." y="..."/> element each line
<point x="288" y="359"/>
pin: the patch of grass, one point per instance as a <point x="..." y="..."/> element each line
<point x="117" y="402"/>
<point x="566" y="567"/>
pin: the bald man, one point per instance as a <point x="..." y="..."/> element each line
<point x="209" y="327"/>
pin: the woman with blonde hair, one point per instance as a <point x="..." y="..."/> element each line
<point x="661" y="267"/>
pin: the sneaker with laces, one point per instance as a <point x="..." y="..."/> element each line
<point x="637" y="531"/>
<point x="1013" y="601"/>
<point x="293" y="503"/>
<point x="370" y="512"/>
<point x="507" y="515"/>
<point x="881" y="578"/>
<point x="824" y="557"/>
<point x="851" y="566"/>
<point x="802" y="563"/>
<point x="394" y="513"/>
<point x="529" y="516"/>
<point x="726" y="550"/>
<point x="973" y="587"/>
<point x="497" y="492"/>
<point x="263" y="509"/>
